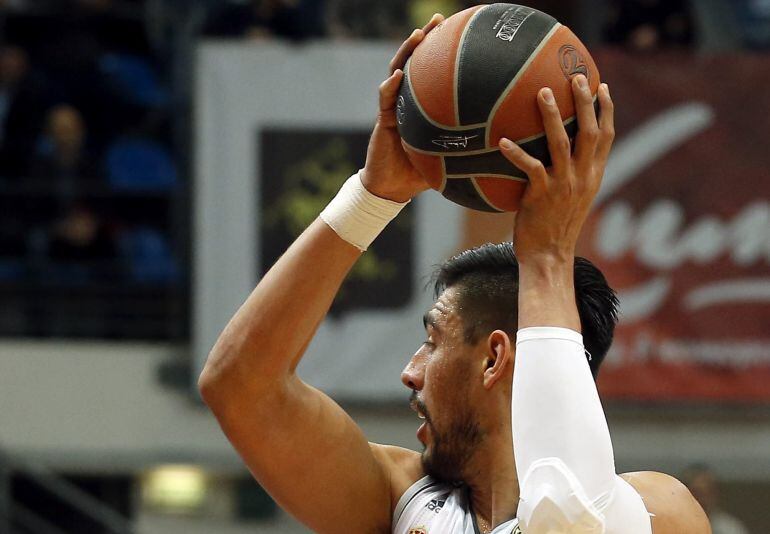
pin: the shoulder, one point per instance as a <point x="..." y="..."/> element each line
<point x="673" y="508"/>
<point x="403" y="467"/>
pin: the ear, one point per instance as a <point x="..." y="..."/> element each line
<point x="499" y="355"/>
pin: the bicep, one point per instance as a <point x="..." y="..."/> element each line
<point x="312" y="459"/>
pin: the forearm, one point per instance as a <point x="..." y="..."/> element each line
<point x="561" y="439"/>
<point x="552" y="373"/>
<point x="265" y="339"/>
<point x="557" y="413"/>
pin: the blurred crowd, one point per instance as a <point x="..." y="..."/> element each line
<point x="84" y="141"/>
<point x="89" y="146"/>
<point x="639" y="25"/>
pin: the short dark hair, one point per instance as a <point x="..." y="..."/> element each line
<point x="487" y="278"/>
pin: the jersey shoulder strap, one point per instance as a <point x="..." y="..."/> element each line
<point x="424" y="484"/>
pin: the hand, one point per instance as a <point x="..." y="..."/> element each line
<point x="557" y="201"/>
<point x="388" y="173"/>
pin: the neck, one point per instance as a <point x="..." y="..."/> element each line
<point x="492" y="480"/>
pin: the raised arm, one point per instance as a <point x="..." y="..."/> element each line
<point x="562" y="445"/>
<point x="300" y="445"/>
<point x="563" y="451"/>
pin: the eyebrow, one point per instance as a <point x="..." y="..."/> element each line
<point x="427" y="319"/>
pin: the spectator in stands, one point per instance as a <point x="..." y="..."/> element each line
<point x="379" y="20"/>
<point x="63" y="162"/>
<point x="648" y="25"/>
<point x="81" y="236"/>
<point x="703" y="485"/>
<point x="15" y="4"/>
<point x="62" y="159"/>
<point x="22" y="104"/>
<point x="265" y="19"/>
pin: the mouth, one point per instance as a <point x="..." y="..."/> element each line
<point x="422" y="434"/>
<point x="421" y="411"/>
<point x="419" y="408"/>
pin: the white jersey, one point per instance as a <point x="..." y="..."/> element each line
<point x="430" y="507"/>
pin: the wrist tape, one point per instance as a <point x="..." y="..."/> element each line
<point x="358" y="216"/>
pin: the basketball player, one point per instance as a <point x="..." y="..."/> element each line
<point x="515" y="437"/>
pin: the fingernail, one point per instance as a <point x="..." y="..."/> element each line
<point x="548" y="95"/>
<point x="582" y="81"/>
<point x="606" y="88"/>
<point x="506" y="144"/>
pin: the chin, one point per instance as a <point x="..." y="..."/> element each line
<point x="440" y="469"/>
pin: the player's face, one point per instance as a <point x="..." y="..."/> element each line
<point x="439" y="376"/>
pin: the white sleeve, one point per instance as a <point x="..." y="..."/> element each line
<point x="562" y="446"/>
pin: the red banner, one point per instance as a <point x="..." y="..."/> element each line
<point x="682" y="228"/>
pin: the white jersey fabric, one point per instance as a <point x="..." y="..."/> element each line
<point x="430" y="507"/>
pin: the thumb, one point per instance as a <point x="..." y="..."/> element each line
<point x="388" y="97"/>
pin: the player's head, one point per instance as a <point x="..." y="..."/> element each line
<point x="473" y="320"/>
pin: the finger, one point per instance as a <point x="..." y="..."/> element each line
<point x="406" y="49"/>
<point x="408" y="46"/>
<point x="389" y="90"/>
<point x="558" y="141"/>
<point x="606" y="123"/>
<point x="388" y="96"/>
<point x="434" y="21"/>
<point x="588" y="127"/>
<point x="533" y="167"/>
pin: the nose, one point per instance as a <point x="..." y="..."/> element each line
<point x="413" y="375"/>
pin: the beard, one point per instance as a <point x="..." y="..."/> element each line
<point x="451" y="449"/>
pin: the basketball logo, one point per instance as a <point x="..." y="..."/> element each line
<point x="572" y="62"/>
<point x="400" y="111"/>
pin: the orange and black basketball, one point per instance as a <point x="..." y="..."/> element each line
<point x="475" y="79"/>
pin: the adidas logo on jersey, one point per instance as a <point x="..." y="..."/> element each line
<point x="435" y="505"/>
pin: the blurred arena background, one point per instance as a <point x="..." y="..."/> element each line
<point x="156" y="156"/>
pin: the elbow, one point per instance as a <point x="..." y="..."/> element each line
<point x="218" y="375"/>
<point x="207" y="385"/>
<point x="234" y="376"/>
<point x="552" y="499"/>
<point x="211" y="386"/>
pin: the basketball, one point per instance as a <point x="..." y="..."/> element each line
<point x="473" y="80"/>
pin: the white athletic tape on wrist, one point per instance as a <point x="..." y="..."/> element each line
<point x="357" y="215"/>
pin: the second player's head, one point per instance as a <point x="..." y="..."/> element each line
<point x="461" y="375"/>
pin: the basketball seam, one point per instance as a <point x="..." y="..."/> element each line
<point x="487" y="150"/>
<point x="427" y="117"/>
<point x="491" y="175"/>
<point x="515" y="79"/>
<point x="443" y="175"/>
<point x="456" y="73"/>
<point x="477" y="187"/>
<point x="565" y="122"/>
<point x="453" y="154"/>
